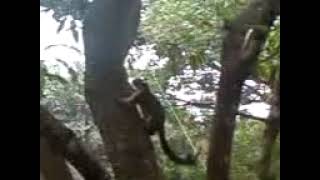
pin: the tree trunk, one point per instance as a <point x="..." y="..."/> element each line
<point x="64" y="143"/>
<point x="41" y="176"/>
<point x="270" y="135"/>
<point x="52" y="166"/>
<point x="109" y="30"/>
<point x="237" y="61"/>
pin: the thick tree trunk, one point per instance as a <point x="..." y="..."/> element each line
<point x="42" y="176"/>
<point x="109" y="29"/>
<point x="52" y="166"/>
<point x="64" y="143"/>
<point x="237" y="61"/>
<point x="270" y="135"/>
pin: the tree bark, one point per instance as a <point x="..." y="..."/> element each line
<point x="271" y="132"/>
<point x="237" y="63"/>
<point x="64" y="143"/>
<point x="109" y="30"/>
<point x="52" y="166"/>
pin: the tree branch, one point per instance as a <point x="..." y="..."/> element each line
<point x="249" y="116"/>
<point x="211" y="106"/>
<point x="63" y="141"/>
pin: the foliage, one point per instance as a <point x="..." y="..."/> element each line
<point x="247" y="151"/>
<point x="269" y="62"/>
<point x="187" y="31"/>
<point x="180" y="126"/>
<point x="275" y="168"/>
<point x="62" y="8"/>
<point x="65" y="98"/>
<point x="46" y="76"/>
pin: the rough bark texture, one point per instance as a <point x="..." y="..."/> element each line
<point x="109" y="30"/>
<point x="52" y="166"/>
<point x="236" y="67"/>
<point x="63" y="142"/>
<point x="271" y="132"/>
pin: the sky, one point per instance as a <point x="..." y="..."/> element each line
<point x="48" y="36"/>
